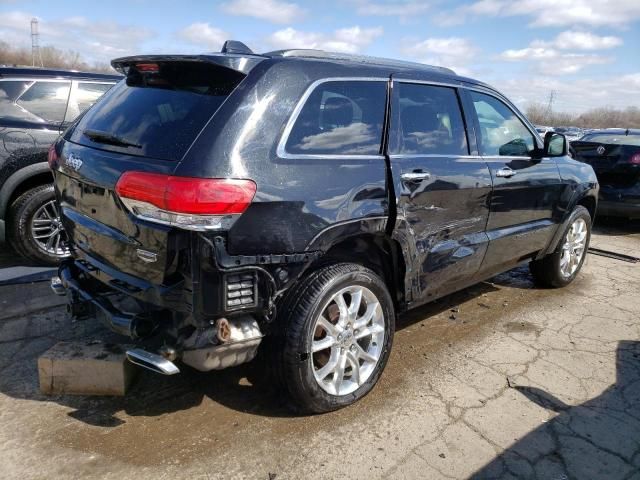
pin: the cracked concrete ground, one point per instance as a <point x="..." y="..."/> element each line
<point x="522" y="383"/>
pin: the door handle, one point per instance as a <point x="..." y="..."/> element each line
<point x="415" y="176"/>
<point x="505" y="172"/>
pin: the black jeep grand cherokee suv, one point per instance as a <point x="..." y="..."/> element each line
<point x="301" y="199"/>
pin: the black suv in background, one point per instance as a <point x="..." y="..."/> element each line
<point x="614" y="154"/>
<point x="36" y="105"/>
<point x="298" y="200"/>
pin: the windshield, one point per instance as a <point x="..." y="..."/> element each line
<point x="157" y="113"/>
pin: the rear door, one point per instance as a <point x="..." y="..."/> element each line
<point x="145" y="123"/>
<point x="442" y="188"/>
<point x="526" y="188"/>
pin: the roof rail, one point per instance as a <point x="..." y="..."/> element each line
<point x="321" y="54"/>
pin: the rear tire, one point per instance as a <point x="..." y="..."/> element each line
<point x="561" y="267"/>
<point x="36" y="204"/>
<point x="338" y="317"/>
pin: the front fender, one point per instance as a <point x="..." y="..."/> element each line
<point x="590" y="192"/>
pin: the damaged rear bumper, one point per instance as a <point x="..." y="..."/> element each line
<point x="209" y="318"/>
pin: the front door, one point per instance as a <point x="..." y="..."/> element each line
<point x="442" y="189"/>
<point x="526" y="186"/>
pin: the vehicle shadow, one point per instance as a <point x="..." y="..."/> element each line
<point x="616" y="226"/>
<point x="599" y="438"/>
<point x="246" y="388"/>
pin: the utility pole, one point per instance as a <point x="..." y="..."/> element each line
<point x="550" y="105"/>
<point x="36" y="56"/>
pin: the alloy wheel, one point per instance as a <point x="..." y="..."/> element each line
<point x="348" y="338"/>
<point x="574" y="247"/>
<point x="47" y="232"/>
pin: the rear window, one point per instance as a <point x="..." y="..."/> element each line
<point x="620" y="139"/>
<point x="340" y="118"/>
<point x="157" y="112"/>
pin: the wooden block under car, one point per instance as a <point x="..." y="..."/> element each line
<point x="85" y="368"/>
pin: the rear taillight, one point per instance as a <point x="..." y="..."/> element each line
<point x="185" y="202"/>
<point x="52" y="157"/>
<point x="635" y="159"/>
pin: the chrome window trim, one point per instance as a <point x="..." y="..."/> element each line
<point x="400" y="156"/>
<point x="281" y="151"/>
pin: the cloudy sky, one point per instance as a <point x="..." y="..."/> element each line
<point x="586" y="51"/>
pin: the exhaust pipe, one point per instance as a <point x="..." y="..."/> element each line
<point x="151" y="361"/>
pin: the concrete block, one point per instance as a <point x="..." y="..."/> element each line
<point x="85" y="368"/>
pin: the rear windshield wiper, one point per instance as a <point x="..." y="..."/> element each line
<point x="107" y="138"/>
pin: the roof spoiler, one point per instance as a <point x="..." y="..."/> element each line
<point x="234" y="56"/>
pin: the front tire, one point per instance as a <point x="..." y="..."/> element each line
<point x="562" y="266"/>
<point x="335" y="333"/>
<point x="34" y="227"/>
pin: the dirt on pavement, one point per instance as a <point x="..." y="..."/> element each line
<point x="502" y="380"/>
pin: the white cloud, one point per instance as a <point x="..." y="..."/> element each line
<point x="550" y="61"/>
<point x="579" y="40"/>
<point x="552" y="58"/>
<point x="452" y="52"/>
<point x="576" y="96"/>
<point x="204" y="35"/>
<point x="95" y="40"/>
<point x="552" y="13"/>
<point x="274" y="11"/>
<point x="346" y="40"/>
<point x="390" y="9"/>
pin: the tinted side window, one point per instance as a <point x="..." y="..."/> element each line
<point x="340" y="118"/>
<point x="9" y="91"/>
<point x="501" y="131"/>
<point x="429" y="121"/>
<point x="47" y="100"/>
<point x="86" y="94"/>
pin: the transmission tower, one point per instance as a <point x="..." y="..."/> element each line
<point x="552" y="94"/>
<point x="36" y="56"/>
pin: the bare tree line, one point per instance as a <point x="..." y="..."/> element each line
<point x="52" y="57"/>
<point x="603" y="117"/>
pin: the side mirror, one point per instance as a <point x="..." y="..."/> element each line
<point x="555" y="145"/>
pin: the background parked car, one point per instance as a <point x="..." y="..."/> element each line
<point x="542" y="129"/>
<point x="571" y="133"/>
<point x="614" y="154"/>
<point x="36" y="105"/>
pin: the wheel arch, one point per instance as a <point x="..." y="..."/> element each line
<point x="22" y="180"/>
<point x="586" y="199"/>
<point x="590" y="203"/>
<point x="376" y="251"/>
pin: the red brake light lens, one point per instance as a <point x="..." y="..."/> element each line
<point x="635" y="159"/>
<point x="148" y="67"/>
<point x="187" y="195"/>
<point x="52" y="157"/>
